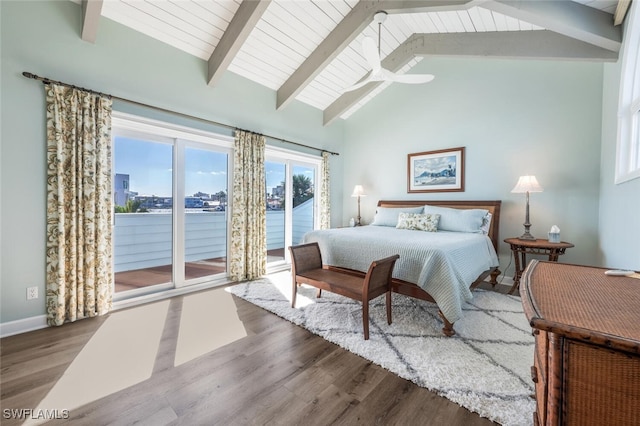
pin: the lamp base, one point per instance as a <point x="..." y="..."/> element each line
<point x="526" y="236"/>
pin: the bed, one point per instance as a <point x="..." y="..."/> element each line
<point x="441" y="267"/>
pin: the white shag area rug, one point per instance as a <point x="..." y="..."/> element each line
<point x="485" y="367"/>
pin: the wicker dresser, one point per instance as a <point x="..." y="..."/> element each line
<point x="587" y="357"/>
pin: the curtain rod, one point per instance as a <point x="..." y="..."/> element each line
<point x="45" y="80"/>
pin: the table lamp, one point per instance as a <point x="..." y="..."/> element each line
<point x="358" y="191"/>
<point x="527" y="184"/>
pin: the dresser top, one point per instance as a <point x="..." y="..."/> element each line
<point x="582" y="302"/>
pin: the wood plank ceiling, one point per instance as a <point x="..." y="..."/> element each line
<point x="310" y="50"/>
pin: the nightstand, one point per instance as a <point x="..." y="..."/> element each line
<point x="521" y="248"/>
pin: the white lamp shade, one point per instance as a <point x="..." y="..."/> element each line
<point x="527" y="184"/>
<point x="358" y="191"/>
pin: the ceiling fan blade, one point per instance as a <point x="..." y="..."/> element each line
<point x="370" y="52"/>
<point x="367" y="79"/>
<point x="410" y="78"/>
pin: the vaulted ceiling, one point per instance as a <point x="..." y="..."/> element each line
<point x="311" y="50"/>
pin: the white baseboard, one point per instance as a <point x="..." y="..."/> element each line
<point x="23" y="325"/>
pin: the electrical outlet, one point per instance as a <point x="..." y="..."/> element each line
<point x="32" y="293"/>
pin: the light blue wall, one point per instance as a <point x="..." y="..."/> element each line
<point x="514" y="118"/>
<point x="619" y="229"/>
<point x="43" y="38"/>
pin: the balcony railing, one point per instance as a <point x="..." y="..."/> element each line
<point x="144" y="240"/>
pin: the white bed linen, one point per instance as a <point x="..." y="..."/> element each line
<point x="443" y="263"/>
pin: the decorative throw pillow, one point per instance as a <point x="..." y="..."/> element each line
<point x="486" y="223"/>
<point x="388" y="216"/>
<point x="419" y="222"/>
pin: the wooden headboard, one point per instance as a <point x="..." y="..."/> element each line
<point x="492" y="206"/>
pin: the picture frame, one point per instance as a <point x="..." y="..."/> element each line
<point x="436" y="171"/>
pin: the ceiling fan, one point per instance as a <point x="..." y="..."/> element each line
<point x="372" y="55"/>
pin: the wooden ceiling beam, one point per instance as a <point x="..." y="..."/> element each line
<point x="621" y="11"/>
<point x="564" y="17"/>
<point x="346" y="31"/>
<point x="241" y="25"/>
<point x="91" y="12"/>
<point x="541" y="44"/>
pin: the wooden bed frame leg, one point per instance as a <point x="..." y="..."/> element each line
<point x="448" y="326"/>
<point x="494" y="277"/>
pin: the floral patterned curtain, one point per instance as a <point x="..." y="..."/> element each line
<point x="248" y="252"/>
<point x="79" y="204"/>
<point x="325" y="206"/>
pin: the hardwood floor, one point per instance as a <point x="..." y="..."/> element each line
<point x="277" y="374"/>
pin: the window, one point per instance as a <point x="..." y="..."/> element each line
<point x="292" y="201"/>
<point x="160" y="243"/>
<point x="628" y="148"/>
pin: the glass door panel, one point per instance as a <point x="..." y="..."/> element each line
<point x="275" y="174"/>
<point x="143" y="214"/>
<point x="303" y="214"/>
<point x="205" y="213"/>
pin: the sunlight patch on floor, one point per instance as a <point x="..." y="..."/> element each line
<point x="282" y="281"/>
<point x="121" y="353"/>
<point x="209" y="320"/>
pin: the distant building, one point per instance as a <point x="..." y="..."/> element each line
<point x="120" y="189"/>
<point x="193" y="202"/>
<point x="278" y="191"/>
<point x="154" y="202"/>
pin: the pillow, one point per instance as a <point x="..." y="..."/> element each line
<point x="486" y="223"/>
<point x="458" y="220"/>
<point x="418" y="222"/>
<point x="388" y="216"/>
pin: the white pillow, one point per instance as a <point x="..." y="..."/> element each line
<point x="418" y="222"/>
<point x="388" y="216"/>
<point x="458" y="220"/>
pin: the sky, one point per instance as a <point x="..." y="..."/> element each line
<point x="149" y="166"/>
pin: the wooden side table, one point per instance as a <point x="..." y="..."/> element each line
<point x="521" y="248"/>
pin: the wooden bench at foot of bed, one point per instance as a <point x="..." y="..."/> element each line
<point x="307" y="268"/>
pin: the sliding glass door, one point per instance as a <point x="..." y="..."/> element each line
<point x="205" y="213"/>
<point x="143" y="212"/>
<point x="292" y="204"/>
<point x="304" y="202"/>
<point x="275" y="174"/>
<point x="170" y="207"/>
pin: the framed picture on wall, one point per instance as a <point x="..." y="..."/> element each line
<point x="436" y="171"/>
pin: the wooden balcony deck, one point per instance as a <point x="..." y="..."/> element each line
<point x="139" y="278"/>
